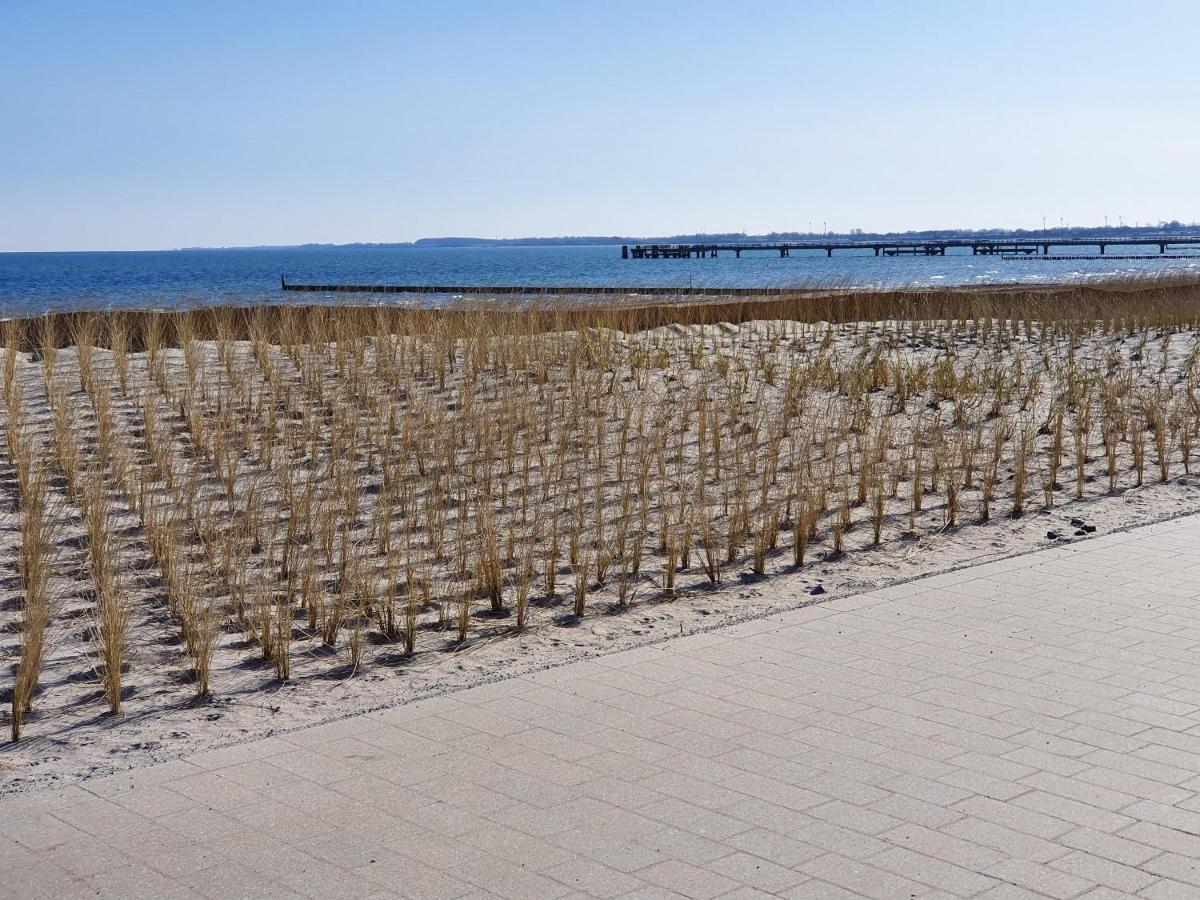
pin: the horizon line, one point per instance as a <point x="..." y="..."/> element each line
<point x="601" y="240"/>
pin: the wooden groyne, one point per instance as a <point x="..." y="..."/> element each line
<point x="527" y="290"/>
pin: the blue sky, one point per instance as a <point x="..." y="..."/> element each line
<point x="148" y="125"/>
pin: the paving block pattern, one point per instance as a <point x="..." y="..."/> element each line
<point x="1025" y="728"/>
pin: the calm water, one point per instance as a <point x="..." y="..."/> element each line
<point x="40" y="281"/>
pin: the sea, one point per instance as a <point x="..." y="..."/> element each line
<point x="32" y="283"/>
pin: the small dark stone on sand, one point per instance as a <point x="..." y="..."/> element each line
<point x="1080" y="533"/>
<point x="1077" y="523"/>
<point x="1052" y="535"/>
<point x="817" y="590"/>
<point x="1090" y="529"/>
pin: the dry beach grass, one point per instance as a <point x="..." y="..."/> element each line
<point x="224" y="500"/>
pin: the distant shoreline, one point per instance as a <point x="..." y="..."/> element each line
<point x="1173" y="229"/>
<point x="1164" y="229"/>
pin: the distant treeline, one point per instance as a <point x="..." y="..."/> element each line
<point x="1162" y="228"/>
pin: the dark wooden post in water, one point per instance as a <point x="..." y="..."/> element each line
<point x="624" y="251"/>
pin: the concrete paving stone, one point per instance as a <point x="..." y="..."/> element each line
<point x="134" y="880"/>
<point x="503" y="879"/>
<point x="310" y="767"/>
<point x="538" y="821"/>
<point x="318" y="879"/>
<point x="228" y="880"/>
<point x="938" y="873"/>
<point x="1080" y="790"/>
<point x="1176" y="867"/>
<point x="595" y="879"/>
<point x="1171" y="756"/>
<point x="38" y="831"/>
<point x="686" y="846"/>
<point x="1017" y="817"/>
<point x="400" y="876"/>
<point x="344" y="850"/>
<point x="1168" y="889"/>
<point x="1010" y="892"/>
<point x="1094" y="737"/>
<point x="1137" y="765"/>
<point x="1046" y="760"/>
<point x="152" y="802"/>
<point x="680" y="786"/>
<point x="1159" y="838"/>
<point x="1038" y="878"/>
<point x="1012" y="843"/>
<point x="915" y="812"/>
<point x="213" y="760"/>
<point x="941" y="845"/>
<point x="1103" y="893"/>
<point x="807" y="830"/>
<point x="371" y="788"/>
<point x="120" y="782"/>
<point x="280" y="818"/>
<point x="515" y="847"/>
<point x="687" y="879"/>
<point x="654" y="893"/>
<point x="768" y="789"/>
<point x="443" y="818"/>
<point x="78" y="859"/>
<point x="780" y="849"/>
<point x="816" y="889"/>
<point x="1104" y="872"/>
<point x="621" y="852"/>
<point x="1172" y="817"/>
<point x="1111" y="846"/>
<point x="747" y="893"/>
<point x="862" y="878"/>
<point x="209" y="790"/>
<point x="1023" y="728"/>
<point x="758" y="873"/>
<point x="856" y="818"/>
<point x="984" y="785"/>
<point x="696" y="819"/>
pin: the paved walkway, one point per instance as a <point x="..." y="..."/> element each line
<point x="1024" y="728"/>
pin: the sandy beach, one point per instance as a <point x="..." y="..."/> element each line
<point x="357" y="523"/>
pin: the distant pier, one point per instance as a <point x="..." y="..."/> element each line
<point x="1008" y="247"/>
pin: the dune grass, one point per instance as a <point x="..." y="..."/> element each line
<point x="328" y="486"/>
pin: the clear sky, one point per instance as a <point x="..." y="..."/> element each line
<point x="148" y="125"/>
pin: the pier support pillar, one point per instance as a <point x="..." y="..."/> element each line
<point x="1101" y="249"/>
<point x="1162" y="248"/>
<point x="625" y="251"/>
<point x="829" y="251"/>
